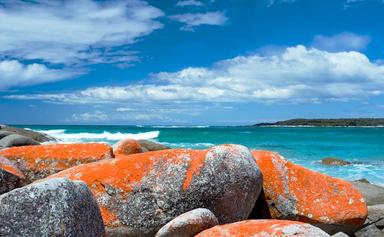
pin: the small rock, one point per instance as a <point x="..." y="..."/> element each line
<point x="147" y="145"/>
<point x="373" y="194"/>
<point x="189" y="224"/>
<point x="57" y="207"/>
<point x="264" y="228"/>
<point x="340" y="234"/>
<point x="334" y="161"/>
<point x="17" y="140"/>
<point x="363" y="180"/>
<point x="37" y="162"/>
<point x="10" y="176"/>
<point x="139" y="195"/>
<point x="127" y="147"/>
<point x="295" y="193"/>
<point x="369" y="231"/>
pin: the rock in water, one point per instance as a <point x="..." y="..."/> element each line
<point x="296" y="193"/>
<point x="147" y="145"/>
<point x="264" y="228"/>
<point x="137" y="196"/>
<point x="37" y="162"/>
<point x="189" y="224"/>
<point x="373" y="194"/>
<point x="334" y="161"/>
<point x="57" y="207"/>
<point x="127" y="147"/>
<point x="10" y="176"/>
<point x="17" y="140"/>
<point x="37" y="136"/>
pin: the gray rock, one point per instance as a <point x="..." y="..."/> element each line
<point x="10" y="176"/>
<point x="373" y="194"/>
<point x="17" y="140"/>
<point x="37" y="136"/>
<point x="334" y="161"/>
<point x="340" y="234"/>
<point x="5" y="133"/>
<point x="57" y="207"/>
<point x="189" y="224"/>
<point x="369" y="231"/>
<point x="147" y="145"/>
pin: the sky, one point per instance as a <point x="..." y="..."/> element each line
<point x="190" y="62"/>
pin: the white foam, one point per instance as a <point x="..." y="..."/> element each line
<point x="104" y="136"/>
<point x="180" y="126"/>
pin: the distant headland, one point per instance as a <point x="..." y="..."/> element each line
<point x="342" y="122"/>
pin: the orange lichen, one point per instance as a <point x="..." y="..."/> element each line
<point x="196" y="162"/>
<point x="56" y="157"/>
<point x="7" y="165"/>
<point x="127" y="147"/>
<point x="318" y="198"/>
<point x="261" y="228"/>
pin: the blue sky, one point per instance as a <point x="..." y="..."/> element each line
<point x="190" y="62"/>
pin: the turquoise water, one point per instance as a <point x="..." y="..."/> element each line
<point x="302" y="145"/>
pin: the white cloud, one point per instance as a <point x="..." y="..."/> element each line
<point x="341" y="42"/>
<point x="189" y="3"/>
<point x="298" y="74"/>
<point x="73" y="32"/>
<point x="13" y="72"/>
<point x="192" y="20"/>
<point x="93" y="116"/>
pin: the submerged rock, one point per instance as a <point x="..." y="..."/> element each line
<point x="10" y="176"/>
<point x="264" y="228"/>
<point x="334" y="161"/>
<point x="139" y="195"/>
<point x="37" y="162"/>
<point x="189" y="224"/>
<point x="17" y="140"/>
<point x="56" y="207"/>
<point x="372" y="193"/>
<point x="296" y="193"/>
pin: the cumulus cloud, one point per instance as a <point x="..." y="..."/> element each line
<point x="341" y="42"/>
<point x="13" y="72"/>
<point x="297" y="74"/>
<point x="189" y="3"/>
<point x="192" y="20"/>
<point x="74" y="32"/>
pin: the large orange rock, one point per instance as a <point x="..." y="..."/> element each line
<point x="127" y="147"/>
<point x="264" y="228"/>
<point x="140" y="194"/>
<point x="10" y="176"/>
<point x="296" y="193"/>
<point x="39" y="161"/>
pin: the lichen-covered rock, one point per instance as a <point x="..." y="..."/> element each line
<point x="17" y="140"/>
<point x="127" y="147"/>
<point x="373" y="194"/>
<point x="139" y="195"/>
<point x="264" y="228"/>
<point x="189" y="224"/>
<point x="37" y="162"/>
<point x="296" y="193"/>
<point x="10" y="176"/>
<point x="147" y="145"/>
<point x="57" y="207"/>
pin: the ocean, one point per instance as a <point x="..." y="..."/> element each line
<point x="303" y="145"/>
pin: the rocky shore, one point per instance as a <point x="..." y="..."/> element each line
<point x="141" y="188"/>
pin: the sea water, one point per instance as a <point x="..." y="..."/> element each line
<point x="303" y="145"/>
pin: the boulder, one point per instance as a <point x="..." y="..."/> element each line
<point x="340" y="234"/>
<point x="57" y="207"/>
<point x="147" y="145"/>
<point x="37" y="136"/>
<point x="139" y="195"/>
<point x="334" y="161"/>
<point x="189" y="224"/>
<point x="296" y="193"/>
<point x="10" y="176"/>
<point x="264" y="228"/>
<point x="37" y="162"/>
<point x="372" y="193"/>
<point x="4" y="134"/>
<point x="369" y="231"/>
<point x="17" y="140"/>
<point x="127" y="147"/>
<point x="374" y="225"/>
